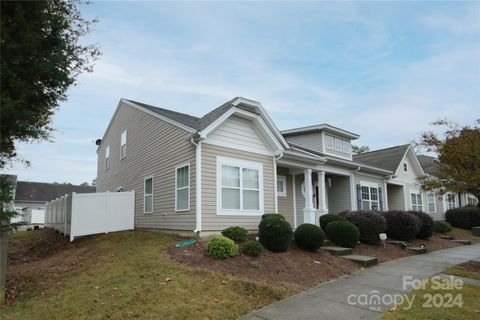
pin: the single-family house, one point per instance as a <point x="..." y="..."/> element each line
<point x="227" y="168"/>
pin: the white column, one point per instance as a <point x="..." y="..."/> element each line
<point x="385" y="194"/>
<point x="308" y="211"/>
<point x="322" y="201"/>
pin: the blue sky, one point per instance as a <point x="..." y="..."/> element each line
<point x="384" y="70"/>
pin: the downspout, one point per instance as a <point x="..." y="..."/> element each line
<point x="275" y="179"/>
<point x="198" y="185"/>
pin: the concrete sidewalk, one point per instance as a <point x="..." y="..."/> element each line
<point x="330" y="300"/>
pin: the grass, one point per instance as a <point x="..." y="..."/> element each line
<point x="129" y="275"/>
<point x="464" y="234"/>
<point x="462" y="272"/>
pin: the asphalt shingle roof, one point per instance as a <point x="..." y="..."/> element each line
<point x="429" y="164"/>
<point x="41" y="191"/>
<point x="388" y="159"/>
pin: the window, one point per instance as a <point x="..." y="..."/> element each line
<point x="416" y="201"/>
<point x="148" y="195"/>
<point x="405" y="167"/>
<point x="123" y="145"/>
<point x="107" y="157"/>
<point x="471" y="201"/>
<point x="338" y="145"/>
<point x="370" y="199"/>
<point x="182" y="188"/>
<point x="240" y="186"/>
<point x="329" y="142"/>
<point x="431" y="202"/>
<point x="346" y="146"/>
<point x="450" y="201"/>
<point x="281" y="186"/>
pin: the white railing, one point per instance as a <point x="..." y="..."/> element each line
<point x="81" y="214"/>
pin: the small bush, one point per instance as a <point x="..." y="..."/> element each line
<point x="273" y="215"/>
<point x="275" y="234"/>
<point x="327" y="218"/>
<point x="402" y="225"/>
<point x="426" y="228"/>
<point x="441" y="226"/>
<point x="309" y="237"/>
<point x="370" y="224"/>
<point x="252" y="248"/>
<point x="343" y="233"/>
<point x="237" y="234"/>
<point x="464" y="218"/>
<point x="220" y="247"/>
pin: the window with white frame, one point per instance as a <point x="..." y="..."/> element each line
<point x="405" y="167"/>
<point x="148" y="195"/>
<point x="123" y="144"/>
<point x="338" y="145"/>
<point x="240" y="186"/>
<point x="329" y="142"/>
<point x="450" y="201"/>
<point x="431" y="202"/>
<point x="182" y="188"/>
<point x="346" y="146"/>
<point x="281" y="186"/>
<point x="370" y="200"/>
<point x="471" y="200"/>
<point x="416" y="201"/>
<point x="107" y="157"/>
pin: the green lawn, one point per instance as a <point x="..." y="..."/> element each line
<point x="129" y="275"/>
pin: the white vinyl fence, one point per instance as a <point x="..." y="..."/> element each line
<point x="81" y="214"/>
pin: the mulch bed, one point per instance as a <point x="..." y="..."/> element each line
<point x="472" y="266"/>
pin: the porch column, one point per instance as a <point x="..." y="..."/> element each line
<point x="322" y="201"/>
<point x="308" y="211"/>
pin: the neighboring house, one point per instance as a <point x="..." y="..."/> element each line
<point x="229" y="167"/>
<point x="30" y="198"/>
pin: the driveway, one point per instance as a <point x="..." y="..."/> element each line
<point x="349" y="297"/>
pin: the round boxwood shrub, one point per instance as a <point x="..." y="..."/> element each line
<point x="370" y="224"/>
<point x="441" y="226"/>
<point x="237" y="234"/>
<point x="402" y="225"/>
<point x="459" y="217"/>
<point x="252" y="248"/>
<point x="275" y="234"/>
<point x="343" y="233"/>
<point x="329" y="217"/>
<point x="308" y="237"/>
<point x="220" y="247"/>
<point x="426" y="228"/>
<point x="474" y="216"/>
<point x="273" y="215"/>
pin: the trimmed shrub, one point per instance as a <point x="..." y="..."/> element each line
<point x="441" y="226"/>
<point x="308" y="237"/>
<point x="275" y="234"/>
<point x="370" y="224"/>
<point x="426" y="228"/>
<point x="327" y="218"/>
<point x="474" y="217"/>
<point x="252" y="248"/>
<point x="273" y="215"/>
<point x="402" y="225"/>
<point x="464" y="218"/>
<point x="237" y="234"/>
<point x="343" y="233"/>
<point x="220" y="247"/>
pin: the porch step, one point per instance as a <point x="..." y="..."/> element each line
<point x="364" y="261"/>
<point x="446" y="237"/>
<point x="476" y="231"/>
<point x="462" y="241"/>
<point x="338" y="251"/>
<point x="327" y="243"/>
<point x="417" y="250"/>
<point x="401" y="244"/>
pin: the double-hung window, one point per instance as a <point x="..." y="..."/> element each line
<point x="370" y="200"/>
<point x="281" y="186"/>
<point x="338" y="145"/>
<point x="148" y="195"/>
<point x="471" y="200"/>
<point x="239" y="186"/>
<point x="450" y="201"/>
<point x="182" y="188"/>
<point x="346" y="146"/>
<point x="123" y="144"/>
<point x="431" y="202"/>
<point x="329" y="142"/>
<point x="107" y="157"/>
<point x="416" y="201"/>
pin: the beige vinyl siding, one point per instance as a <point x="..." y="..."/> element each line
<point x="210" y="220"/>
<point x="154" y="148"/>
<point x="312" y="140"/>
<point x="396" y="197"/>
<point x="339" y="194"/>
<point x="285" y="204"/>
<point x="358" y="176"/>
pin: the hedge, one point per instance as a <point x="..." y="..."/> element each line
<point x="370" y="224"/>
<point x="441" y="226"/>
<point x="308" y="237"/>
<point x="343" y="233"/>
<point x="426" y="228"/>
<point x="465" y="218"/>
<point x="402" y="225"/>
<point x="327" y="218"/>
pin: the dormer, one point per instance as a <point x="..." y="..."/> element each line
<point x="323" y="138"/>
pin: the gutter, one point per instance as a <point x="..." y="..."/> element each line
<point x="198" y="183"/>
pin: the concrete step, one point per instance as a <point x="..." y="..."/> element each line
<point x="462" y="241"/>
<point x="417" y="250"/>
<point x="338" y="251"/>
<point x="364" y="261"/>
<point x="327" y="243"/>
<point x="446" y="237"/>
<point x="401" y="244"/>
<point x="476" y="231"/>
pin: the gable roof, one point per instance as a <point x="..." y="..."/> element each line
<point x="429" y="164"/>
<point x="320" y="127"/>
<point x="388" y="159"/>
<point x="43" y="192"/>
